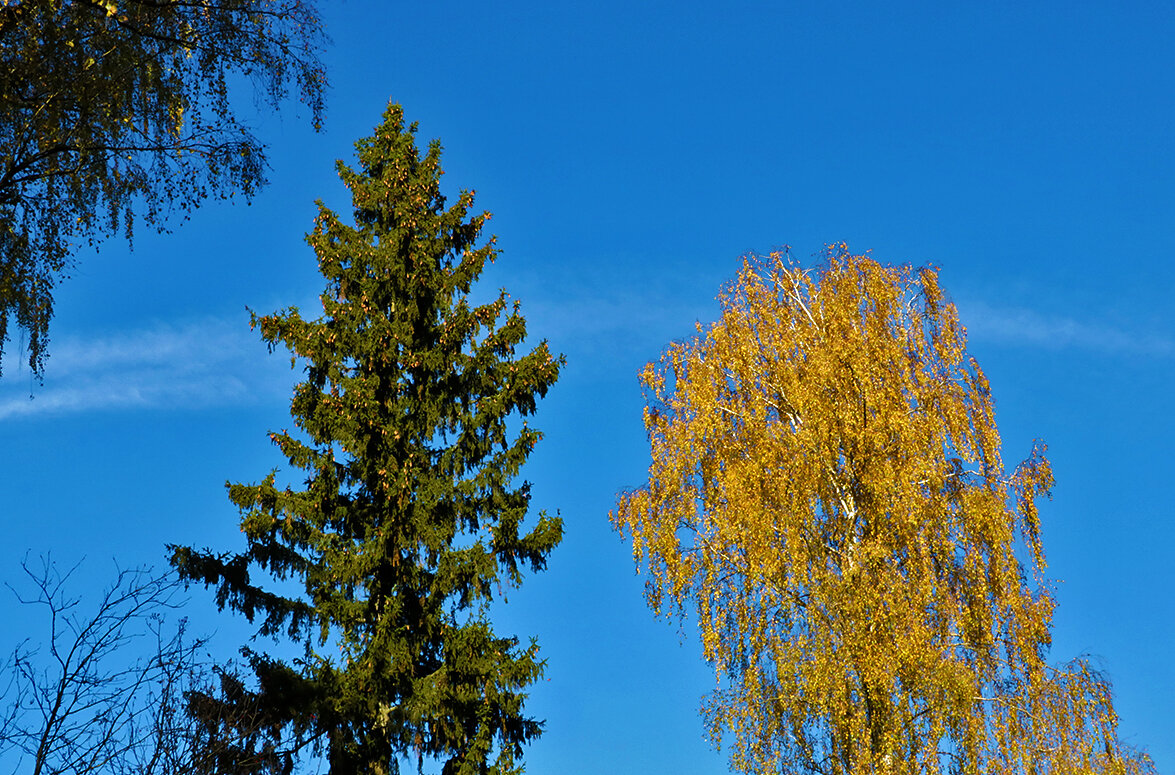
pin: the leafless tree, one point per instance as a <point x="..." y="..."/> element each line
<point x="108" y="690"/>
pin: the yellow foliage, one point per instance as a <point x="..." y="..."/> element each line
<point x="826" y="487"/>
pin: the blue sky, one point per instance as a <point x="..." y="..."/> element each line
<point x="631" y="153"/>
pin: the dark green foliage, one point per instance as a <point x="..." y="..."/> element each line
<point x="410" y="519"/>
<point x="111" y="109"/>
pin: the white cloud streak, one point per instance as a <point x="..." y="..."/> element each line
<point x="601" y="323"/>
<point x="211" y="362"/>
<point x="220" y="362"/>
<point x="1025" y="327"/>
<point x="631" y="320"/>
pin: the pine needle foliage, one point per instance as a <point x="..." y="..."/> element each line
<point x="827" y="488"/>
<point x="412" y="434"/>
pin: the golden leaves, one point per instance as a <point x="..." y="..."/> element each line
<point x="826" y="486"/>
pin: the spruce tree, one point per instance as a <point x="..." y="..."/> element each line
<point x="411" y="434"/>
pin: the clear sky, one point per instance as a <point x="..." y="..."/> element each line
<point x="631" y="152"/>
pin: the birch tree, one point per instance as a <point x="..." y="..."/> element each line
<point x="114" y="112"/>
<point x="827" y="488"/>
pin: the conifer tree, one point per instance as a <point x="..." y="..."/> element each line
<point x="411" y="433"/>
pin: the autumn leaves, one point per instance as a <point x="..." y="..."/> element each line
<point x="826" y="488"/>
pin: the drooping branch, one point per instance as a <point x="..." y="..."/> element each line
<point x="117" y="110"/>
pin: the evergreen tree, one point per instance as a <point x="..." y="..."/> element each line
<point x="411" y="516"/>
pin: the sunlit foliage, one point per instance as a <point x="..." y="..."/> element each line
<point x="411" y="434"/>
<point x="827" y="488"/>
<point x="111" y="109"/>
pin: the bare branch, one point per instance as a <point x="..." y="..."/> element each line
<point x="107" y="691"/>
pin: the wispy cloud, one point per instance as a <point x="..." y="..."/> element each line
<point x="639" y="320"/>
<point x="1029" y="328"/>
<point x="220" y="362"/>
<point x="210" y="362"/>
<point x="587" y="313"/>
<point x="622" y="321"/>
